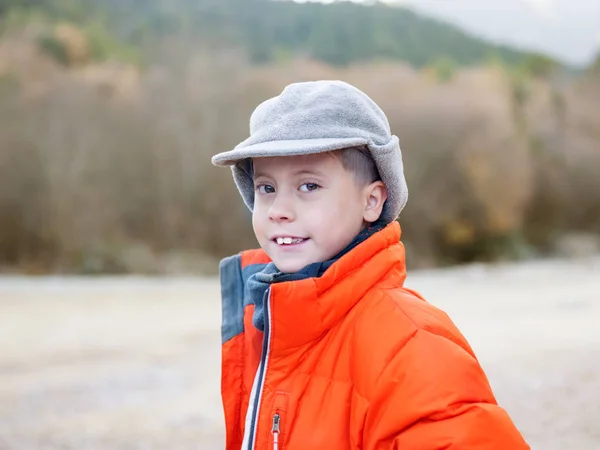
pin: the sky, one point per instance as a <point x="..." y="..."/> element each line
<point x="566" y="29"/>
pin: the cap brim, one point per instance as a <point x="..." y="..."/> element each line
<point x="285" y="148"/>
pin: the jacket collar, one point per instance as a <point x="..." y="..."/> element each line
<point x="303" y="310"/>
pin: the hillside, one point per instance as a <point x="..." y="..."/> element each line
<point x="340" y="33"/>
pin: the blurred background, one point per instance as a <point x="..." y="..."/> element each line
<point x="110" y="111"/>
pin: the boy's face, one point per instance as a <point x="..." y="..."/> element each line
<point x="309" y="208"/>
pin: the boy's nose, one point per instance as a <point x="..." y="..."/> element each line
<point x="281" y="210"/>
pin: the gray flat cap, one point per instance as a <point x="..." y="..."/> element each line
<point x="315" y="117"/>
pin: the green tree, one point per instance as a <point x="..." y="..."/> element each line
<point x="339" y="33"/>
<point x="539" y="65"/>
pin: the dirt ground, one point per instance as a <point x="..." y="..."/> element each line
<point x="133" y="363"/>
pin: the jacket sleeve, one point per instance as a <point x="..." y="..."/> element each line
<point x="434" y="395"/>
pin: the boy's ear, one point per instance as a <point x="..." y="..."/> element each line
<point x="376" y="195"/>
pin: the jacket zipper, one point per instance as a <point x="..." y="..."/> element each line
<point x="280" y="406"/>
<point x="255" y="397"/>
<point x="276" y="430"/>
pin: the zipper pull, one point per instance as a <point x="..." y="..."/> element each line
<point x="275" y="431"/>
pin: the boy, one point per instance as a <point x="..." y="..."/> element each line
<point x="323" y="346"/>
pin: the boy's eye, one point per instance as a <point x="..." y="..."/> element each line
<point x="265" y="189"/>
<point x="307" y="187"/>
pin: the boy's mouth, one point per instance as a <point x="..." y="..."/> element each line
<point x="288" y="240"/>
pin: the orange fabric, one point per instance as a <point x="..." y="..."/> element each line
<point x="232" y="389"/>
<point x="254" y="257"/>
<point x="356" y="361"/>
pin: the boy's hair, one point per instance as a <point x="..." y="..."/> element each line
<point x="358" y="161"/>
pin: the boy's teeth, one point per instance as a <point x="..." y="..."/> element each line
<point x="288" y="240"/>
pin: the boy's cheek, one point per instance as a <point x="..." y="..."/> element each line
<point x="260" y="222"/>
<point x="256" y="222"/>
<point x="259" y="213"/>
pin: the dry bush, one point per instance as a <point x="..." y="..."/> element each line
<point x="194" y="107"/>
<point x="23" y="189"/>
<point x="117" y="171"/>
<point x="565" y="132"/>
<point x="107" y="169"/>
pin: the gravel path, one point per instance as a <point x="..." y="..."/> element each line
<point x="133" y="363"/>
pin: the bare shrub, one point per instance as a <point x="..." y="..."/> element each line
<point x="23" y="190"/>
<point x="116" y="171"/>
<point x="107" y="168"/>
<point x="565" y="136"/>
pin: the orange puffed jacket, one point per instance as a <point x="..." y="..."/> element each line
<point x="351" y="360"/>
